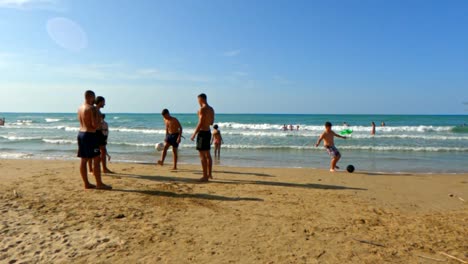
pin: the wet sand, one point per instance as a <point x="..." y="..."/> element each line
<point x="245" y="215"/>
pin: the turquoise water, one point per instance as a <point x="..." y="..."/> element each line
<point x="407" y="143"/>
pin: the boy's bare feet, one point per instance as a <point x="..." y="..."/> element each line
<point x="174" y="168"/>
<point x="104" y="187"/>
<point x="160" y="163"/>
<point x="90" y="186"/>
<point x="108" y="171"/>
<point x="332" y="170"/>
<point x="203" y="179"/>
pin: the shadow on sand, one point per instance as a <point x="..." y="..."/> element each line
<point x="238" y="182"/>
<point x="190" y="195"/>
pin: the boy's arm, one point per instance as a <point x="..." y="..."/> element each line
<point x="180" y="131"/>
<point x="319" y="140"/>
<point x="340" y="136"/>
<point x="202" y="117"/>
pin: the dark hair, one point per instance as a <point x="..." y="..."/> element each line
<point x="202" y="95"/>
<point x="103" y="116"/>
<point x="89" y="93"/>
<point x="215" y="126"/>
<point x="165" y="112"/>
<point x="328" y="124"/>
<point x="99" y="99"/>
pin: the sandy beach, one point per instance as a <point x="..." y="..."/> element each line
<point x="245" y="215"/>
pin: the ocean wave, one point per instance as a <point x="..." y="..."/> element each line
<point x="138" y="130"/>
<point x="19" y="138"/>
<point x="59" y="141"/>
<point x="278" y="127"/>
<point x="51" y="120"/>
<point x="14" y="155"/>
<point x="369" y="148"/>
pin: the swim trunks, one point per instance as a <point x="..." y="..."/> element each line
<point x="333" y="151"/>
<point x="204" y="140"/>
<point x="101" y="139"/>
<point x="87" y="145"/>
<point x="171" y="139"/>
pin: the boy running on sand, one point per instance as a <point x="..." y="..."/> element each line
<point x="217" y="140"/>
<point x="328" y="137"/>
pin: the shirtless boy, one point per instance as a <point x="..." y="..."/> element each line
<point x="206" y="117"/>
<point x="173" y="137"/>
<point x="328" y="137"/>
<point x="88" y="143"/>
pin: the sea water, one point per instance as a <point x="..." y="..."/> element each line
<point x="408" y="143"/>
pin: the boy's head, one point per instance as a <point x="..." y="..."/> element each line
<point x="100" y="102"/>
<point x="165" y="113"/>
<point x="328" y="126"/>
<point x="215" y="127"/>
<point x="202" y="98"/>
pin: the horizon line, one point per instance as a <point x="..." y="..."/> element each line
<point x="152" y="113"/>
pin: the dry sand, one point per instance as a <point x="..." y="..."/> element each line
<point x="246" y="215"/>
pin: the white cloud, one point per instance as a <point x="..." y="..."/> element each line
<point x="55" y="5"/>
<point x="231" y="53"/>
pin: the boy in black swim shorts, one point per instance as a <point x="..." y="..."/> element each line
<point x="173" y="137"/>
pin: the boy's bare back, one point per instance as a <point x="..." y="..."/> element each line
<point x="87" y="118"/>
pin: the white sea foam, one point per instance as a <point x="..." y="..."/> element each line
<point x="59" y="141"/>
<point x="278" y="127"/>
<point x="15" y="155"/>
<point x="368" y="148"/>
<point x="19" y="138"/>
<point x="51" y="120"/>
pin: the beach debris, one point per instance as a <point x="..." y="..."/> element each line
<point x="453" y="257"/>
<point x="439" y="260"/>
<point x="321" y="254"/>
<point x="16" y="194"/>
<point x="369" y="242"/>
<point x="120" y="216"/>
<point x="458" y="197"/>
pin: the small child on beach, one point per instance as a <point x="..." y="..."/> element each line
<point x="328" y="137"/>
<point x="217" y="140"/>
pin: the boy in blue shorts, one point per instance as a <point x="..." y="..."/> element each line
<point x="328" y="137"/>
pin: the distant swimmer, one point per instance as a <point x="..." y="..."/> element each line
<point x="291" y="127"/>
<point x="329" y="142"/>
<point x="206" y="117"/>
<point x="373" y="128"/>
<point x="297" y="128"/>
<point x="345" y="124"/>
<point x="285" y="127"/>
<point x="217" y="140"/>
<point x="2" y="121"/>
<point x="173" y="137"/>
<point x="88" y="147"/>
<point x="382" y="124"/>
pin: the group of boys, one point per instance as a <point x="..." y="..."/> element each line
<point x="92" y="139"/>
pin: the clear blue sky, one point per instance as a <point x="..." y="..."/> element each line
<point x="264" y="56"/>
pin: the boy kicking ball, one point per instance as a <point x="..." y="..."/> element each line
<point x="328" y="137"/>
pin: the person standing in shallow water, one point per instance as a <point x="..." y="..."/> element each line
<point x="88" y="148"/>
<point x="217" y="140"/>
<point x="206" y="116"/>
<point x="373" y="128"/>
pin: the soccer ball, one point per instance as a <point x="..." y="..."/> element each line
<point x="159" y="146"/>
